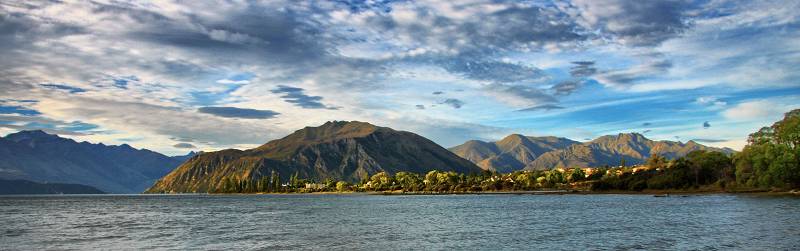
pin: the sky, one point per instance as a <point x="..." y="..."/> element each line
<point x="179" y="76"/>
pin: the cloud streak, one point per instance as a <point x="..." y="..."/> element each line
<point x="243" y="113"/>
<point x="135" y="70"/>
<point x="297" y="96"/>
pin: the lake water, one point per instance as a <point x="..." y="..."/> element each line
<point x="346" y="222"/>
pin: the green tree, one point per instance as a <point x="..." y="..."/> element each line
<point x="342" y="186"/>
<point x="276" y="182"/>
<point x="408" y="181"/>
<point x="381" y="181"/>
<point x="554" y="177"/>
<point x="656" y="161"/>
<point x="431" y="180"/>
<point x="576" y="175"/>
<point x="771" y="157"/>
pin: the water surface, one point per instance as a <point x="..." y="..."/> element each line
<point x="488" y="222"/>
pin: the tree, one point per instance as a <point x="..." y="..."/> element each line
<point x="380" y="181"/>
<point x="622" y="161"/>
<point x="524" y="180"/>
<point x="554" y="177"/>
<point x="656" y="161"/>
<point x="342" y="186"/>
<point x="408" y="181"/>
<point x="771" y="157"/>
<point x="787" y="131"/>
<point x="576" y="175"/>
<point x="276" y="181"/>
<point x="597" y="174"/>
<point x="431" y="180"/>
<point x="710" y="166"/>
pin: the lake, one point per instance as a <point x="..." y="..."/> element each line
<point x="372" y="222"/>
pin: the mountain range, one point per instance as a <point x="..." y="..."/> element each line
<point x="516" y="152"/>
<point x="337" y="150"/>
<point x="511" y="153"/>
<point x="41" y="157"/>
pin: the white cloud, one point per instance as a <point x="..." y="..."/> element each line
<point x="375" y="65"/>
<point x="763" y="110"/>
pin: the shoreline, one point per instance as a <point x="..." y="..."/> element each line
<point x="656" y="193"/>
<point x="677" y="193"/>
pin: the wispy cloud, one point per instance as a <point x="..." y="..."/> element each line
<point x="233" y="112"/>
<point x="297" y="96"/>
<point x="184" y="146"/>
<point x="70" y="89"/>
<point x="455" y="103"/>
<point x="135" y="70"/>
<point x="541" y="108"/>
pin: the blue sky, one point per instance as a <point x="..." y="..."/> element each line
<point x="205" y="75"/>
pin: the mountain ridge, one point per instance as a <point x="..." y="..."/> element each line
<point x="41" y="157"/>
<point x="511" y="153"/>
<point x="609" y="150"/>
<point x="518" y="152"/>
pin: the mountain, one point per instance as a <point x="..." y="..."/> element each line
<point x="41" y="157"/>
<point x="30" y="187"/>
<point x="609" y="150"/>
<point x="184" y="158"/>
<point x="511" y="153"/>
<point x="339" y="150"/>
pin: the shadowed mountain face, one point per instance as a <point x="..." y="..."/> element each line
<point x="610" y="150"/>
<point x="338" y="150"/>
<point x="30" y="187"/>
<point x="41" y="157"/>
<point x="512" y="153"/>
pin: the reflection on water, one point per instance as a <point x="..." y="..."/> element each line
<point x="400" y="222"/>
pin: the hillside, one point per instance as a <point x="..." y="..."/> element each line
<point x="41" y="157"/>
<point x="337" y="150"/>
<point x="511" y="153"/>
<point x="611" y="149"/>
<point x="30" y="187"/>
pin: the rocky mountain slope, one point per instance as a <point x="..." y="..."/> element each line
<point x="611" y="149"/>
<point x="339" y="150"/>
<point x="41" y="157"/>
<point x="517" y="152"/>
<point x="511" y="153"/>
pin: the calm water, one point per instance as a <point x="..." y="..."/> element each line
<point x="400" y="222"/>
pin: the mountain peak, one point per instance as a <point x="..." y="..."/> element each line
<point x="513" y="139"/>
<point x="633" y="135"/>
<point x="336" y="130"/>
<point x="30" y="135"/>
<point x="621" y="137"/>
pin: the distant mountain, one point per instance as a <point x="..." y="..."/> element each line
<point x="338" y="150"/>
<point x="41" y="157"/>
<point x="30" y="187"/>
<point x="512" y="153"/>
<point x="610" y="150"/>
<point x="184" y="158"/>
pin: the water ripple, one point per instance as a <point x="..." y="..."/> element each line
<point x="356" y="222"/>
